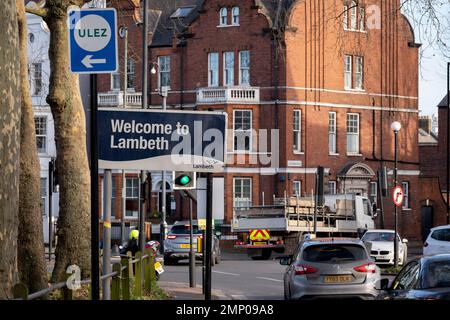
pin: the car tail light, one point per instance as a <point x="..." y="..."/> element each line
<point x="171" y="237"/>
<point x="280" y="242"/>
<point x="366" y="268"/>
<point x="239" y="243"/>
<point x="301" y="269"/>
<point x="425" y="244"/>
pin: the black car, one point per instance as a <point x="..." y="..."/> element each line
<point x="427" y="278"/>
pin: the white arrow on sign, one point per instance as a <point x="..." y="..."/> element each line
<point x="88" y="61"/>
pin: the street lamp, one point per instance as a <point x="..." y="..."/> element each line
<point x="163" y="92"/>
<point x="396" y="127"/>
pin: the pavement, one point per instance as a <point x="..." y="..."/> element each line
<point x="182" y="291"/>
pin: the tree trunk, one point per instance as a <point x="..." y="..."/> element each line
<point x="30" y="251"/>
<point x="64" y="98"/>
<point x="9" y="145"/>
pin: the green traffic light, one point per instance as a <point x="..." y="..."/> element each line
<point x="184" y="180"/>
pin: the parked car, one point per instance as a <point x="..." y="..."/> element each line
<point x="381" y="244"/>
<point x="438" y="241"/>
<point x="330" y="268"/>
<point x="177" y="244"/>
<point x="427" y="278"/>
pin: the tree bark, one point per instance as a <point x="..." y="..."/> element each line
<point x="30" y="251"/>
<point x="64" y="98"/>
<point x="9" y="145"/>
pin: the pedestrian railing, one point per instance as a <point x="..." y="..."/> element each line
<point x="141" y="268"/>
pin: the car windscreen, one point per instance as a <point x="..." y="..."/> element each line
<point x="334" y="253"/>
<point x="185" y="229"/>
<point x="378" y="236"/>
<point x="441" y="235"/>
<point x="436" y="274"/>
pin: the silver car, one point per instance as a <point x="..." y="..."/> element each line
<point x="330" y="268"/>
<point x="177" y="244"/>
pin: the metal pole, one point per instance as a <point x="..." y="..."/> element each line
<point x="191" y="252"/>
<point x="107" y="234"/>
<point x="95" y="276"/>
<point x="316" y="202"/>
<point x="448" y="142"/>
<point x="144" y="106"/>
<point x="208" y="240"/>
<point x="395" y="206"/>
<point x="163" y="227"/>
<point x="51" y="167"/>
<point x="125" y="70"/>
<point x="380" y="192"/>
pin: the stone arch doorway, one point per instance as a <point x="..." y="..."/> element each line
<point x="355" y="178"/>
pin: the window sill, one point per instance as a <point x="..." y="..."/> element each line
<point x="354" y="155"/>
<point x="354" y="89"/>
<point x="228" y="25"/>
<point x="334" y="154"/>
<point x="300" y="153"/>
<point x="355" y="30"/>
<point x="407" y="209"/>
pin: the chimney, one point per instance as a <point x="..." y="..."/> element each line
<point x="425" y="123"/>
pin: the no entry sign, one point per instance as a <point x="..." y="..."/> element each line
<point x="398" y="196"/>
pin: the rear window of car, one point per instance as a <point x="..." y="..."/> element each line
<point x="436" y="275"/>
<point x="184" y="229"/>
<point x="441" y="235"/>
<point x="334" y="253"/>
<point x="378" y="236"/>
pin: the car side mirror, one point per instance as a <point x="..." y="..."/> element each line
<point x="285" y="261"/>
<point x="218" y="234"/>
<point x="383" y="284"/>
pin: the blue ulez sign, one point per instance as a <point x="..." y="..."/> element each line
<point x="155" y="140"/>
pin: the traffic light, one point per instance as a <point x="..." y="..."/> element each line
<point x="319" y="186"/>
<point x="382" y="181"/>
<point x="184" y="180"/>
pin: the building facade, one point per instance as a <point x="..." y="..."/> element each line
<point x="318" y="83"/>
<point x="39" y="72"/>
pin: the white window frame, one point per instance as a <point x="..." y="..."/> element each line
<point x="235" y="16"/>
<point x="223" y="17"/>
<point x="37" y="89"/>
<point x="354" y="16"/>
<point x="362" y="19"/>
<point x="243" y="69"/>
<point x="359" y="72"/>
<point x="228" y="72"/>
<point x="161" y="70"/>
<point x="332" y="133"/>
<point x="297" y="189"/>
<point x="132" y="197"/>
<point x="345" y="14"/>
<point x="373" y="191"/>
<point x="406" y="203"/>
<point x="348" y="71"/>
<point x="131" y="73"/>
<point x="245" y="132"/>
<point x="332" y="187"/>
<point x="213" y="74"/>
<point x="242" y="199"/>
<point x="113" y="75"/>
<point x="40" y="134"/>
<point x="297" y="131"/>
<point x="357" y="133"/>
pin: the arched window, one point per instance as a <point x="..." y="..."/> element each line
<point x="223" y="16"/>
<point x="235" y="12"/>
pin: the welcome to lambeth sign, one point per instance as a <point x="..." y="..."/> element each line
<point x="155" y="140"/>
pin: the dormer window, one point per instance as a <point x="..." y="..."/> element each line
<point x="235" y="12"/>
<point x="223" y="16"/>
<point x="182" y="12"/>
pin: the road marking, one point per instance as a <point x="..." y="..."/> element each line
<point x="227" y="273"/>
<point x="269" y="279"/>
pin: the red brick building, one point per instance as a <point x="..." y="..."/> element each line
<point x="329" y="76"/>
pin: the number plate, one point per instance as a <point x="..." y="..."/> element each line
<point x="338" y="279"/>
<point x="185" y="246"/>
<point x="259" y="243"/>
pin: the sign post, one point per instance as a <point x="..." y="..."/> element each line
<point x="93" y="49"/>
